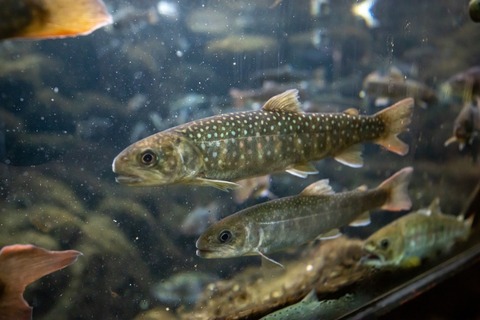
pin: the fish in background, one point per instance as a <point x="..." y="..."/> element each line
<point x="405" y="242"/>
<point x="41" y="19"/>
<point x="384" y="88"/>
<point x="256" y="187"/>
<point x="219" y="150"/>
<point x="256" y="97"/>
<point x="463" y="86"/>
<point x="183" y="288"/>
<point x="200" y="218"/>
<point x="283" y="74"/>
<point x="21" y="265"/>
<point x="466" y="128"/>
<point x="292" y="221"/>
<point x="310" y="308"/>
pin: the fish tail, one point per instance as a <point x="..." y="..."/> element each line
<point x="396" y="186"/>
<point x="396" y="119"/>
<point x="22" y="265"/>
<point x="68" y="18"/>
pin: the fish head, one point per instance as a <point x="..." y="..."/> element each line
<point x="225" y="239"/>
<point x="384" y="247"/>
<point x="160" y="159"/>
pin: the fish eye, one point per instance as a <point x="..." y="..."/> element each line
<point x="148" y="157"/>
<point x="225" y="236"/>
<point x="384" y="243"/>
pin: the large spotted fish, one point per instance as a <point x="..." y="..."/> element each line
<point x="219" y="150"/>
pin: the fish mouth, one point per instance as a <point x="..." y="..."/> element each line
<point x="372" y="259"/>
<point x="205" y="253"/>
<point x="127" y="179"/>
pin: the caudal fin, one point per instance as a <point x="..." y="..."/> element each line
<point x="396" y="119"/>
<point x="396" y="186"/>
<point x="64" y="18"/>
<point x="21" y="265"/>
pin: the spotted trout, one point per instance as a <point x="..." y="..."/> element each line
<point x="413" y="237"/>
<point x="219" y="150"/>
<point x="292" y="221"/>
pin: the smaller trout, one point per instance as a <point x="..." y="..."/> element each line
<point x="406" y="241"/>
<point x="292" y="221"/>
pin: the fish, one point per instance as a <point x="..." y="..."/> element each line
<point x="256" y="187"/>
<point x="405" y="242"/>
<point x="394" y="85"/>
<point x="464" y="85"/>
<point x="219" y="150"/>
<point x="466" y="127"/>
<point x="45" y="19"/>
<point x="182" y="288"/>
<point x="292" y="221"/>
<point x="310" y="308"/>
<point x="198" y="220"/>
<point x="20" y="265"/>
<point x="257" y="96"/>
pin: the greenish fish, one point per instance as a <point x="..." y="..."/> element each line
<point x="409" y="239"/>
<point x="309" y="308"/>
<point x="291" y="221"/>
<point x="219" y="150"/>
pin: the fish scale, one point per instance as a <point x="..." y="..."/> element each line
<point x="219" y="150"/>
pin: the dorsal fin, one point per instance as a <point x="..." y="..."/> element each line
<point x="351" y="111"/>
<point x="395" y="73"/>
<point x="285" y="102"/>
<point x="434" y="207"/>
<point x="321" y="187"/>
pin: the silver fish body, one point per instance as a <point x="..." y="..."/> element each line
<point x="413" y="237"/>
<point x="291" y="221"/>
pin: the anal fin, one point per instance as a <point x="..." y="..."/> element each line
<point x="302" y="170"/>
<point x="351" y="157"/>
<point x="362" y="220"/>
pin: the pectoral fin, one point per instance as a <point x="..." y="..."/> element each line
<point x="363" y="220"/>
<point x="219" y="184"/>
<point x="302" y="170"/>
<point x="411" y="262"/>
<point x="321" y="187"/>
<point x="351" y="157"/>
<point x="332" y="234"/>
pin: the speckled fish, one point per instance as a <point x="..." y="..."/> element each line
<point x="221" y="149"/>
<point x="20" y="265"/>
<point x="292" y="221"/>
<point x="309" y="308"/>
<point x="40" y="19"/>
<point x="418" y="235"/>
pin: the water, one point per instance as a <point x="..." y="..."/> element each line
<point x="69" y="106"/>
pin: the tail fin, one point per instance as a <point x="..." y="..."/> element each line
<point x="396" y="119"/>
<point x="21" y="265"/>
<point x="66" y="18"/>
<point x="396" y="186"/>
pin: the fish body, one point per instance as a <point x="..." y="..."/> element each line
<point x="21" y="265"/>
<point x="409" y="239"/>
<point x="466" y="127"/>
<point x="183" y="288"/>
<point x="40" y="19"/>
<point x="221" y="149"/>
<point x="292" y="221"/>
<point x="394" y="86"/>
<point x="310" y="308"/>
